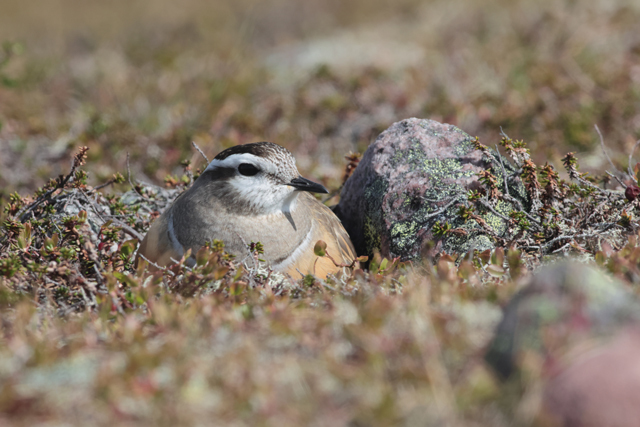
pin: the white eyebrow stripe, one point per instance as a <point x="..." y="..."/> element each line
<point x="236" y="159"/>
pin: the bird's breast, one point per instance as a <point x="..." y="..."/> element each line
<point x="281" y="233"/>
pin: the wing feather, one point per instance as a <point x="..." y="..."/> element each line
<point x="329" y="229"/>
<point x="156" y="246"/>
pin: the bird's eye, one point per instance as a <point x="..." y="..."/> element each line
<point x="247" y="169"/>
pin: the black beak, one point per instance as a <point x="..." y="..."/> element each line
<point x="303" y="184"/>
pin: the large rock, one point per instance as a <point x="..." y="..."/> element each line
<point x="414" y="169"/>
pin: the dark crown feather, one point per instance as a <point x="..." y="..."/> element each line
<point x="260" y="149"/>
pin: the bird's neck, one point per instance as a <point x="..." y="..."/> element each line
<point x="290" y="203"/>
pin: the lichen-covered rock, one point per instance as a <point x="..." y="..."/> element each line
<point x="415" y="174"/>
<point x="563" y="306"/>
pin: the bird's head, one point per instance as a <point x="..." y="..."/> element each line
<point x="261" y="177"/>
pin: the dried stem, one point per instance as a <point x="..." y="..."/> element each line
<point x="604" y="150"/>
<point x="200" y="151"/>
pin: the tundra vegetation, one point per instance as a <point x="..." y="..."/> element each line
<point x="99" y="110"/>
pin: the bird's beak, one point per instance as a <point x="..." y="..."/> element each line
<point x="303" y="184"/>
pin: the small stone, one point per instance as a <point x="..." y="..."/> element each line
<point x="632" y="192"/>
<point x="413" y="170"/>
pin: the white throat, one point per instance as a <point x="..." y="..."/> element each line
<point x="272" y="200"/>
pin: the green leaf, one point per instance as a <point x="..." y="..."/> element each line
<point x="498" y="257"/>
<point x="466" y="270"/>
<point x="125" y="279"/>
<point x="495" y="270"/>
<point x="24" y="238"/>
<point x="485" y="256"/>
<point x="515" y="263"/>
<point x="220" y="272"/>
<point x="127" y="248"/>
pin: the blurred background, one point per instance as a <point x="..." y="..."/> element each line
<point x="321" y="77"/>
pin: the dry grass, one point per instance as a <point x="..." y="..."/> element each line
<point x="147" y="79"/>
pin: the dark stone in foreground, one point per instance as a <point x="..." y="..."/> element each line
<point x="414" y="169"/>
<point x="599" y="387"/>
<point x="576" y="332"/>
<point x="564" y="306"/>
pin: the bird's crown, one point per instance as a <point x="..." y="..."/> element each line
<point x="259" y="149"/>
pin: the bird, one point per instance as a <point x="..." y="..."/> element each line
<point x="252" y="193"/>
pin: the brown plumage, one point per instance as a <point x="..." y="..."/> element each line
<point x="252" y="193"/>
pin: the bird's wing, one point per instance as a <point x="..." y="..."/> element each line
<point x="329" y="229"/>
<point x="156" y="246"/>
<point x="339" y="244"/>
